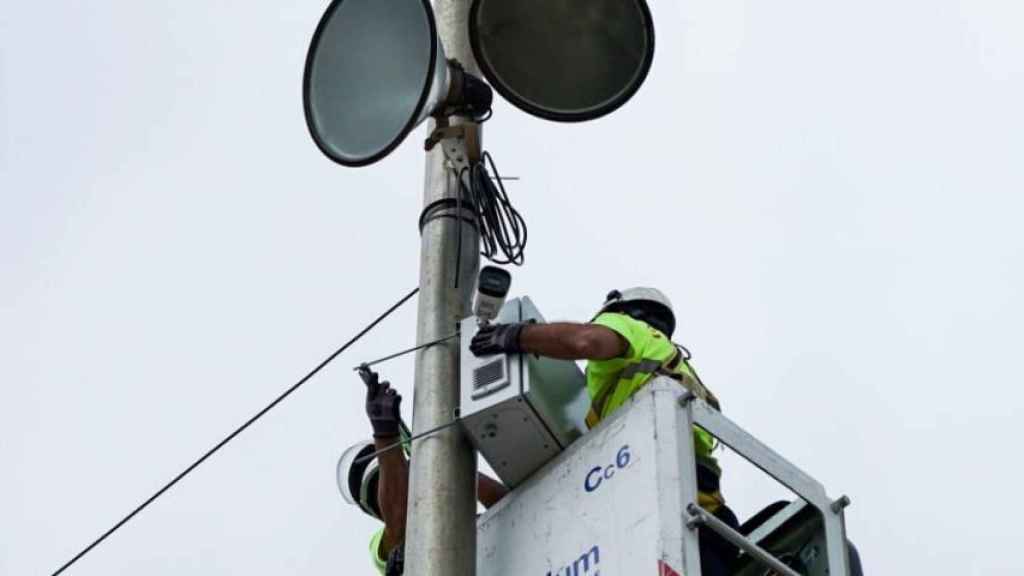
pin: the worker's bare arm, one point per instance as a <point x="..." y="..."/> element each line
<point x="392" y="494"/>
<point x="569" y="341"/>
<point x="393" y="490"/>
<point x="489" y="490"/>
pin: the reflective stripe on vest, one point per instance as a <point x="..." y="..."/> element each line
<point x="709" y="496"/>
<point x="651" y="368"/>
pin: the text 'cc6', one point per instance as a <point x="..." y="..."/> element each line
<point x="599" y="474"/>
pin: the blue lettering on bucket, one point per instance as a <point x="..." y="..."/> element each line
<point x="599" y="474"/>
<point x="585" y="565"/>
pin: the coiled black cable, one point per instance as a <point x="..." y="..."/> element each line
<point x="502" y="228"/>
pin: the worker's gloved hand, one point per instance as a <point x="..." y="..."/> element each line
<point x="383" y="404"/>
<point x="497" y="339"/>
<point x="396" y="562"/>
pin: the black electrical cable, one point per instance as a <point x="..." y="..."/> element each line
<point x="502" y="228"/>
<point x="407" y="351"/>
<point x="406" y="441"/>
<point x="238" y="431"/>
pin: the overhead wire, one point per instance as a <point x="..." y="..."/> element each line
<point x="406" y="435"/>
<point x="407" y="441"/>
<point x="237" y="431"/>
<point x="406" y="351"/>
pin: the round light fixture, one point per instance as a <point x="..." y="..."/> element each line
<point x="375" y="69"/>
<point x="564" y="60"/>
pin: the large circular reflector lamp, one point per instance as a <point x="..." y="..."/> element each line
<point x="565" y="60"/>
<point x="375" y="69"/>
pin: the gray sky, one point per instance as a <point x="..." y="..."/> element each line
<point x="829" y="191"/>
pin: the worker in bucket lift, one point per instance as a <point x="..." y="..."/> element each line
<point x="379" y="485"/>
<point x="626" y="345"/>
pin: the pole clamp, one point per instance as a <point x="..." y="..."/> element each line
<point x="460" y="143"/>
<point x="449" y="208"/>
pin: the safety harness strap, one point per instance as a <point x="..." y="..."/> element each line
<point x="597" y="404"/>
<point x="642" y="367"/>
<point x="652" y="367"/>
<point x="699" y="388"/>
<point x="645" y="366"/>
<point x="709" y="495"/>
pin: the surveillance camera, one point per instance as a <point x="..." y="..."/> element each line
<point x="491" y="290"/>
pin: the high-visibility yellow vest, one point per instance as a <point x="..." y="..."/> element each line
<point x="610" y="383"/>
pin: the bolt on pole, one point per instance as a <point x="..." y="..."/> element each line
<point x="440" y="537"/>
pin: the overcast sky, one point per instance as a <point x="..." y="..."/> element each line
<point x="829" y="191"/>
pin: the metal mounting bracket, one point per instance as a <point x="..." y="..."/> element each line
<point x="460" y="143"/>
<point x="841" y="503"/>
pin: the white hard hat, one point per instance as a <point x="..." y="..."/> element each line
<point x="357" y="481"/>
<point x="643" y="296"/>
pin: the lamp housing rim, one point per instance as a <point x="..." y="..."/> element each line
<point x="415" y="118"/>
<point x="547" y="114"/>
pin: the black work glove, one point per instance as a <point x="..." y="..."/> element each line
<point x="396" y="561"/>
<point x="382" y="404"/>
<point x="497" y="339"/>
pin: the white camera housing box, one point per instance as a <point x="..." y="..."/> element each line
<point x="520" y="410"/>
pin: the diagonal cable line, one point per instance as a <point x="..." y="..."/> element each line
<point x="238" y="431"/>
<point x="407" y="351"/>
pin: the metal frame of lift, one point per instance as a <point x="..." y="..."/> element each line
<point x="696" y="412"/>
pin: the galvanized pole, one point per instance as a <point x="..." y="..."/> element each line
<point x="440" y="537"/>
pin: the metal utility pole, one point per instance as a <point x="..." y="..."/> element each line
<point x="440" y="537"/>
